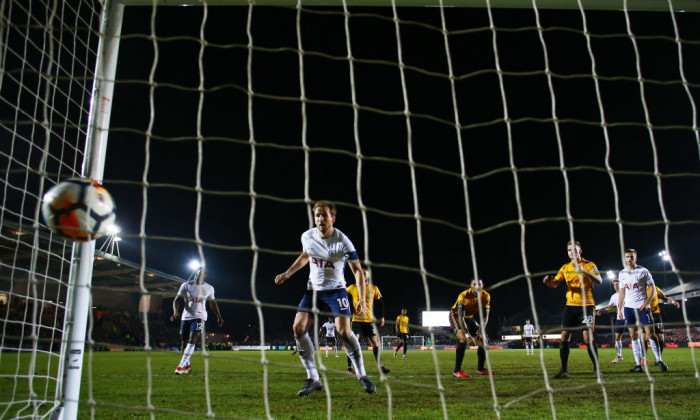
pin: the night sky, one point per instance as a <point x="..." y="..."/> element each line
<point x="277" y="162"/>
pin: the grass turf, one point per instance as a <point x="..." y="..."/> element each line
<point x="119" y="387"/>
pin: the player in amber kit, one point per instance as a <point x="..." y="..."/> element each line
<point x="402" y="333"/>
<point x="579" y="275"/>
<point x="463" y="322"/>
<point x="363" y="324"/>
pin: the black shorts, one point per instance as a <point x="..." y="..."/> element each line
<point x="528" y="339"/>
<point x="363" y="329"/>
<point x="403" y="337"/>
<point x="658" y="324"/>
<point x="471" y="324"/>
<point x="573" y="318"/>
<point x="329" y="340"/>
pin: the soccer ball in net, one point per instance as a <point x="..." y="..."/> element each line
<point x="78" y="209"/>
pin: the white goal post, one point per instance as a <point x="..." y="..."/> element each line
<point x="58" y="72"/>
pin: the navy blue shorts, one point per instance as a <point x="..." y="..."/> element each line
<point x="620" y="326"/>
<point x="190" y="326"/>
<point x="334" y="301"/>
<point x="645" y="318"/>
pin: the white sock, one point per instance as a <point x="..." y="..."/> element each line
<point x="354" y="351"/>
<point x="637" y="351"/>
<point x="189" y="349"/>
<point x="618" y="346"/>
<point x="655" y="350"/>
<point x="305" y="348"/>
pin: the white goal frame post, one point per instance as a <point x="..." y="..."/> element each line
<point x="79" y="298"/>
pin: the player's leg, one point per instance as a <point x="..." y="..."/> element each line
<point x="630" y="321"/>
<point x="570" y="320"/>
<point x="589" y="320"/>
<point x="461" y="349"/>
<point x="376" y="349"/>
<point x="405" y="345"/>
<point x="194" y="332"/>
<point x="355" y="326"/>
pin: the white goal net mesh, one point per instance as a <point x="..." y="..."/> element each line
<point x="457" y="143"/>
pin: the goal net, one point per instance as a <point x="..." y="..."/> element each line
<point x="457" y="142"/>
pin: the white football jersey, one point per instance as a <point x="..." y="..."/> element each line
<point x="330" y="329"/>
<point x="614" y="300"/>
<point x="327" y="259"/>
<point x="197" y="297"/>
<point x="635" y="283"/>
<point x="528" y="329"/>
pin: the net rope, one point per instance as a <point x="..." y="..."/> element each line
<point x="51" y="86"/>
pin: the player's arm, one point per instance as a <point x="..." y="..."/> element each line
<point x="604" y="308"/>
<point x="360" y="283"/>
<point x="621" y="303"/>
<point x="594" y="275"/>
<point x="379" y="310"/>
<point x="215" y="307"/>
<point x="298" y="264"/>
<point x="651" y="291"/>
<point x="460" y="320"/>
<point x="553" y="281"/>
<point x="176" y="308"/>
<point x="396" y="327"/>
<point x="486" y="316"/>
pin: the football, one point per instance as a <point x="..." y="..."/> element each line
<point x="78" y="209"/>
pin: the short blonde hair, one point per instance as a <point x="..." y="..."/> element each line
<point x="323" y="203"/>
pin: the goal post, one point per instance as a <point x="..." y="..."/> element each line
<point x="78" y="307"/>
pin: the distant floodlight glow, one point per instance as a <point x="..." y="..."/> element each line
<point x="611" y="275"/>
<point x="665" y="255"/>
<point x="113" y="229"/>
<point x="194" y="264"/>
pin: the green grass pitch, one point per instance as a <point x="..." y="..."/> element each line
<point x="119" y="387"/>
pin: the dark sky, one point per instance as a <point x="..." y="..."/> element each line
<point x="277" y="163"/>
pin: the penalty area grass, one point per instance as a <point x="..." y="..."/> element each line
<point x="121" y="387"/>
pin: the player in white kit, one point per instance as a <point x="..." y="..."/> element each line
<point x="195" y="293"/>
<point x="528" y="330"/>
<point x="637" y="289"/>
<point x="326" y="249"/>
<point x="619" y="323"/>
<point x="329" y="326"/>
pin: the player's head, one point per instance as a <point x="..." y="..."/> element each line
<point x="200" y="274"/>
<point x="631" y="257"/>
<point x="330" y="319"/>
<point x="403" y="311"/>
<point x="574" y="250"/>
<point x="324" y="215"/>
<point x="527" y="321"/>
<point x="477" y="285"/>
<point x="616" y="284"/>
